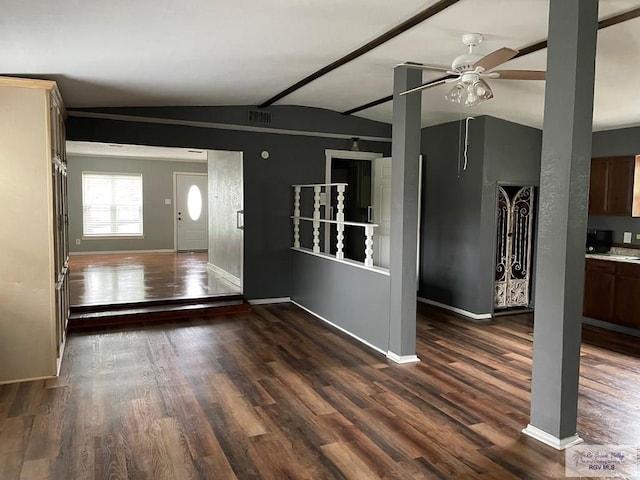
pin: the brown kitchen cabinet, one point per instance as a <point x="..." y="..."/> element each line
<point x="599" y="281"/>
<point x="612" y="292"/>
<point x="627" y="295"/>
<point x="614" y="186"/>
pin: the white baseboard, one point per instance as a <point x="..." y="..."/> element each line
<point x="224" y="274"/>
<point x="340" y="328"/>
<point x="475" y="316"/>
<point x="108" y="252"/>
<point x="548" y="439"/>
<point x="402" y="358"/>
<point x="268" y="301"/>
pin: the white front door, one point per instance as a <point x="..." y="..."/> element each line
<point x="382" y="211"/>
<point x="191" y="211"/>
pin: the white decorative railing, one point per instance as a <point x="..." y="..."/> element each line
<point x="339" y="220"/>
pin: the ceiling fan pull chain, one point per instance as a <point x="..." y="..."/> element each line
<point x="466" y="142"/>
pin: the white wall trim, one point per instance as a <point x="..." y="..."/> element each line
<point x="269" y="301"/>
<point x="222" y="126"/>
<point x="341" y="329"/>
<point x="114" y="252"/>
<point x="402" y="358"/>
<point x="224" y="274"/>
<point x="345" y="261"/>
<point x="548" y="439"/>
<point x="475" y="316"/>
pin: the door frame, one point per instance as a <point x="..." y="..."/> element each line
<point x="330" y="154"/>
<point x="175" y="204"/>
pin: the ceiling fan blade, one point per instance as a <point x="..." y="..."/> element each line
<point x="433" y="83"/>
<point x="496" y="58"/>
<point x="424" y="66"/>
<point x="519" y="74"/>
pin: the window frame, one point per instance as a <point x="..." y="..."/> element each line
<point x="111" y="235"/>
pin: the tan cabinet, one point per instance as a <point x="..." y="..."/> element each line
<point x="614" y="187"/>
<point x="34" y="286"/>
<point x="612" y="292"/>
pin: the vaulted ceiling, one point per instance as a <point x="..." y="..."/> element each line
<point x="244" y="52"/>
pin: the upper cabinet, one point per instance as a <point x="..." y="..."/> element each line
<point x="615" y="186"/>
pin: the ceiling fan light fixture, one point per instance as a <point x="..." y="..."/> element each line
<point x="482" y="89"/>
<point x="456" y="94"/>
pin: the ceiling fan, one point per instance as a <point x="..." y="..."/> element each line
<point x="469" y="71"/>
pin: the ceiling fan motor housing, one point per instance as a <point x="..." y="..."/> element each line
<point x="465" y="62"/>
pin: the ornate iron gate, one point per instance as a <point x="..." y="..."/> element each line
<point x="513" y="248"/>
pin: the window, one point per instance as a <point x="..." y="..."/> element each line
<point x="111" y="205"/>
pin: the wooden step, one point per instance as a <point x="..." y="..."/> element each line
<point x="92" y="316"/>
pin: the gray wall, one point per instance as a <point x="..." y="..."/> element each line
<point x="268" y="194"/>
<point x="511" y="157"/>
<point x="157" y="185"/>
<point x="459" y="214"/>
<point x="625" y="141"/>
<point x="362" y="309"/>
<point x="451" y="215"/>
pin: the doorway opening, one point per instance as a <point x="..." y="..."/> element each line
<point x="356" y="169"/>
<point x="172" y="260"/>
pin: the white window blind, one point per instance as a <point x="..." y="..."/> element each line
<point x="111" y="204"/>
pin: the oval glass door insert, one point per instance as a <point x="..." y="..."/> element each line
<point x="194" y="202"/>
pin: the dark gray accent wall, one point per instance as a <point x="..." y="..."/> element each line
<point x="287" y="117"/>
<point x="511" y="157"/>
<point x="268" y="194"/>
<point x="362" y="309"/>
<point x="625" y="141"/>
<point x="157" y="185"/>
<point x="451" y="215"/>
<point x="459" y="212"/>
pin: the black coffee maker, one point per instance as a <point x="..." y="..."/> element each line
<point x="599" y="241"/>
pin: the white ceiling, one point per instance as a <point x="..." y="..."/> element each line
<point x="242" y="52"/>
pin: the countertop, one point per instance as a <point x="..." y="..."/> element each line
<point x="614" y="257"/>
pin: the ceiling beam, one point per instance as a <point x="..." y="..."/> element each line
<point x="535" y="47"/>
<point x="376" y="42"/>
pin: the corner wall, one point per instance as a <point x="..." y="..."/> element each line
<point x="459" y="214"/>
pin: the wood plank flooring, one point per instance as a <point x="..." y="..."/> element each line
<point x="104" y="279"/>
<point x="275" y="394"/>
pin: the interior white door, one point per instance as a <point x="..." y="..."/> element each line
<point x="191" y="211"/>
<point x="382" y="211"/>
<point x="226" y="214"/>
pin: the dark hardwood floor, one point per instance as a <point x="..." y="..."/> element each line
<point x="103" y="279"/>
<point x="275" y="394"/>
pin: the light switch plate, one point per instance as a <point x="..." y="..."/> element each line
<point x="627" y="237"/>
<point x="167" y="201"/>
<point x="637" y="236"/>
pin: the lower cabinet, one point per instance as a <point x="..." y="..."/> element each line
<point x="612" y="292"/>
<point x="599" y="282"/>
<point x="627" y="295"/>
